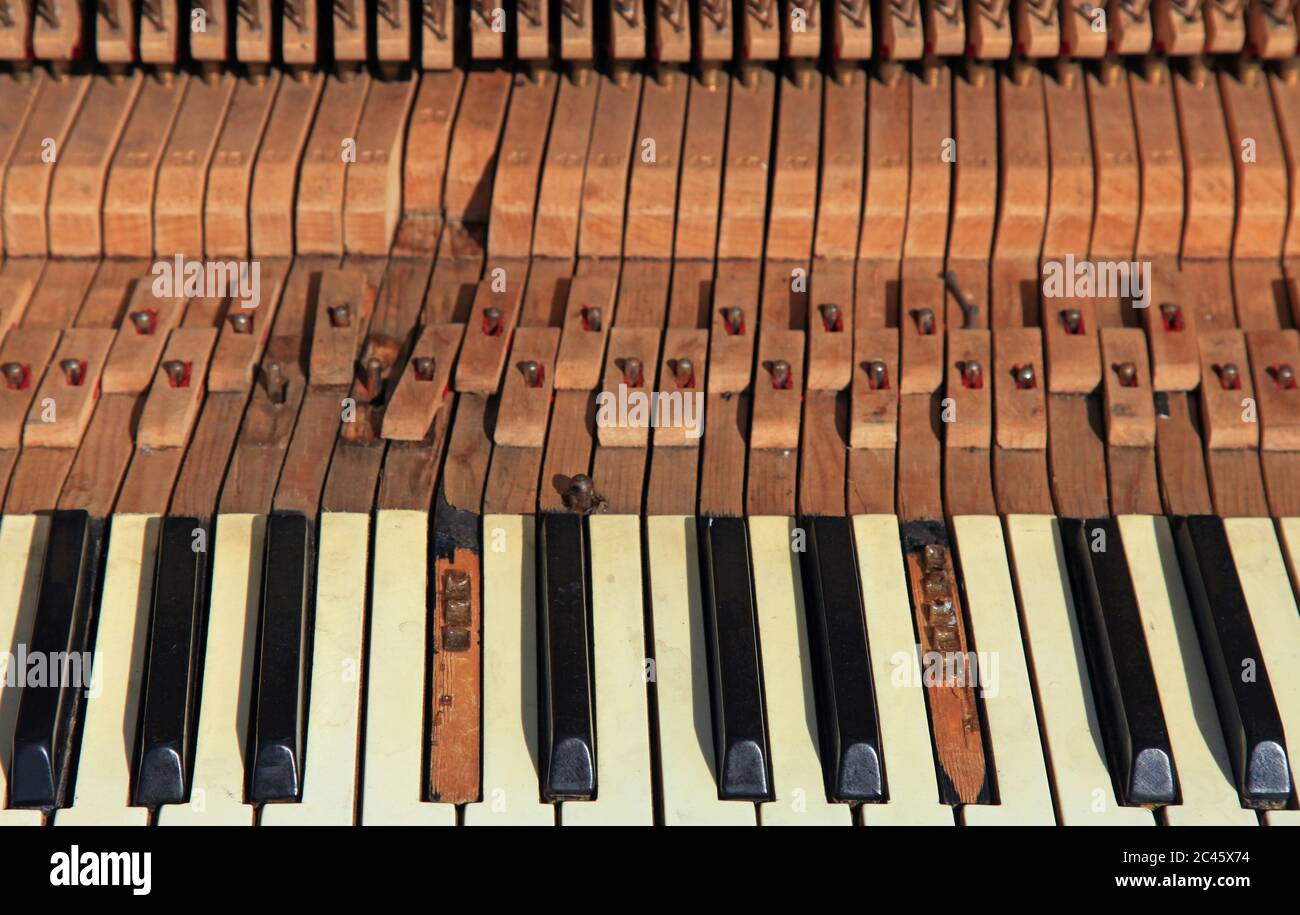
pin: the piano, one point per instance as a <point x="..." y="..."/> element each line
<point x="649" y="412"/>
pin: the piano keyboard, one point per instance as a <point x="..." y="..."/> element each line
<point x="667" y="413"/>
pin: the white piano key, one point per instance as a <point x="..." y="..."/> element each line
<point x="22" y="546"/>
<point x="624" y="791"/>
<point x="1085" y="793"/>
<point x="1264" y="581"/>
<point x="910" y="778"/>
<point x="688" y="785"/>
<point x="797" y="781"/>
<point x="396" y="671"/>
<point x="102" y="794"/>
<point x="1024" y="795"/>
<point x="1200" y="757"/>
<point x="329" y="790"/>
<point x="217" y="795"/>
<point x="511" y="792"/>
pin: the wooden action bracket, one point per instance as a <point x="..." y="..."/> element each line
<point x="1230" y="426"/>
<point x="1274" y="360"/>
<point x="424" y="384"/>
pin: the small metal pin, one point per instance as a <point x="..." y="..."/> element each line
<point x="831" y="317"/>
<point x="925" y="321"/>
<point x="341" y="315"/>
<point x="532" y="372"/>
<point x="972" y="374"/>
<point x="491" y="321"/>
<point x="969" y="310"/>
<point x="374" y="374"/>
<point x="735" y="319"/>
<point x="241" y="323"/>
<point x="684" y="372"/>
<point x="277" y="386"/>
<point x="877" y="375"/>
<point x="1026" y="378"/>
<point x="591" y="317"/>
<point x="632" y="372"/>
<point x="1286" y="377"/>
<point x="144" y="321"/>
<point x="1073" y="320"/>
<point x="176" y="373"/>
<point x="1172" y="315"/>
<point x="1229" y="377"/>
<point x="15" y="374"/>
<point x="1127" y="373"/>
<point x="780" y="374"/>
<point x="424" y="367"/>
<point x="73" y="371"/>
<point x="933" y="557"/>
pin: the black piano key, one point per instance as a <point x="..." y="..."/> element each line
<point x="170" y="693"/>
<point x="565" y="699"/>
<point x="48" y="715"/>
<point x="282" y="660"/>
<point x="1124" y="684"/>
<point x="837" y="635"/>
<point x="1252" y="727"/>
<point x="735" y="671"/>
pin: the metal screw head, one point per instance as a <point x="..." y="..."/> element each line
<point x="632" y="371"/>
<point x="877" y="374"/>
<point x="144" y="321"/>
<point x="684" y="373"/>
<point x="972" y="374"/>
<point x="532" y="372"/>
<point x="175" y="370"/>
<point x="780" y="374"/>
<point x="1127" y="373"/>
<point x="581" y="494"/>
<point x="592" y="318"/>
<point x="1229" y="376"/>
<point x="72" y="371"/>
<point x="241" y="322"/>
<point x="424" y="367"/>
<point x="734" y="318"/>
<point x="277" y="386"/>
<point x="1172" y="314"/>
<point x="341" y="315"/>
<point x="1026" y="377"/>
<point x="1073" y="320"/>
<point x="925" y="321"/>
<point x="491" y="320"/>
<point x="1286" y="377"/>
<point x="15" y="374"/>
<point x="831" y="317"/>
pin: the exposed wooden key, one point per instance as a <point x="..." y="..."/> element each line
<point x="487" y="30"/>
<point x="587" y="320"/>
<point x="437" y="34"/>
<point x="533" y="31"/>
<point x="989" y="30"/>
<point x="1179" y="27"/>
<point x="526" y="391"/>
<point x="58" y="29"/>
<point x="672" y="31"/>
<point x="372" y="199"/>
<point x="23" y="360"/>
<point x="271" y="203"/>
<point x="211" y="36"/>
<point x="300" y="37"/>
<point x="1271" y="28"/>
<point x="1225" y="26"/>
<point x="1019" y="392"/>
<point x="343" y="306"/>
<point x="1083" y="28"/>
<point x="230" y="176"/>
<point x="801" y="31"/>
<point x="1128" y="26"/>
<point x="115" y="32"/>
<point x="633" y="353"/>
<point x="577" y="31"/>
<point x="627" y="34"/>
<point x="66" y="397"/>
<point x="1228" y="420"/>
<point x="16" y="32"/>
<point x="183" y="173"/>
<point x="318" y="213"/>
<point x="1070" y="339"/>
<point x="731" y="339"/>
<point x="1038" y="28"/>
<point x="682" y="380"/>
<point x="140" y="341"/>
<point x="159" y="32"/>
<point x="874" y="422"/>
<point x="778" y="390"/>
<point x="830" y="328"/>
<point x="245" y="331"/>
<point x="1130" y="412"/>
<point x="1274" y="360"/>
<point x="487" y="338"/>
<point x="902" y="32"/>
<point x="969" y="390"/>
<point x="1175" y="357"/>
<point x="254" y="31"/>
<point x="422" y="389"/>
<point x="172" y="407"/>
<point x="17" y="284"/>
<point x="350" y="28"/>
